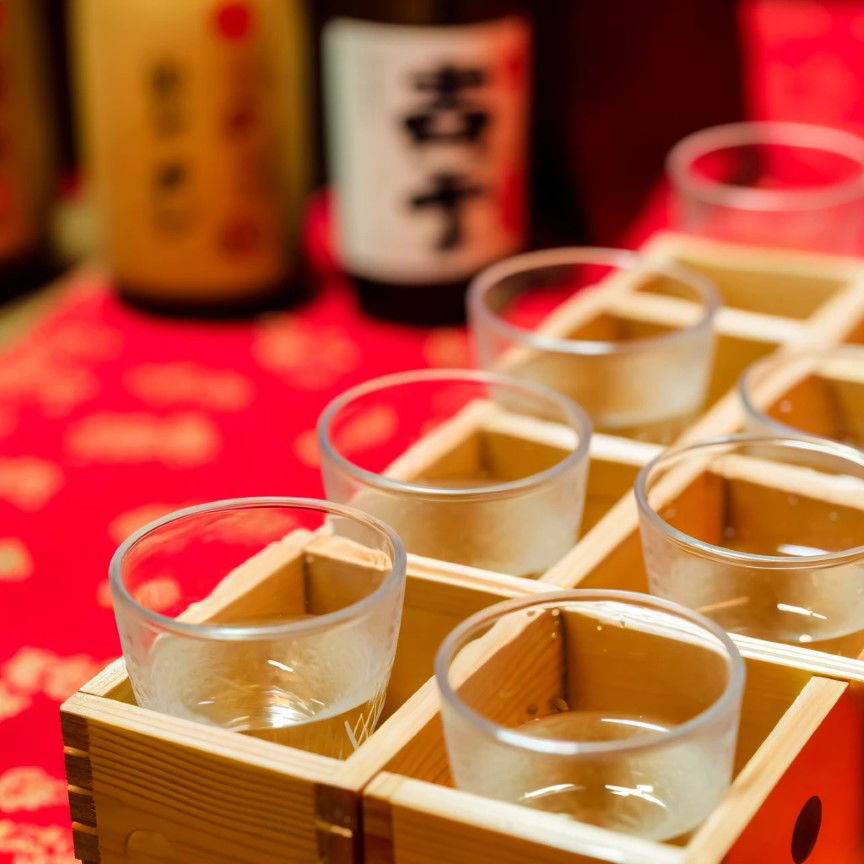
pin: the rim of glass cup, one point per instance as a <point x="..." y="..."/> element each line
<point x="271" y="631"/>
<point x="575" y="415"/>
<point x="460" y="636"/>
<point x="766" y="363"/>
<point x="803" y="135"/>
<point x="730" y="556"/>
<point x="622" y="259"/>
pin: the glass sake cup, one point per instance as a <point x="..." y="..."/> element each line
<point x="468" y="466"/>
<point x="558" y="317"/>
<point x="613" y="708"/>
<point x="792" y="185"/>
<point x="763" y="534"/>
<point x="226" y="619"/>
<point x="819" y="393"/>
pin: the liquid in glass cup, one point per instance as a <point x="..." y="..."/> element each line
<point x="233" y="614"/>
<point x="468" y="466"/>
<point x="629" y="339"/>
<point x="762" y="534"/>
<point x="818" y="393"/>
<point x="792" y="185"/>
<point x="616" y="709"/>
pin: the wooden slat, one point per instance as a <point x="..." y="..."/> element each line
<point x="339" y="572"/>
<point x="418" y="737"/>
<point x="79" y="771"/>
<point x="82" y="806"/>
<point x="85" y="842"/>
<point x="273" y="576"/>
<point x="425" y="824"/>
<point x="209" y="793"/>
<point x="750" y="788"/>
<point x="821" y="395"/>
<point x="75" y="734"/>
<point x="434" y="605"/>
<point x="449" y="449"/>
<point x="670" y="245"/>
<point x="112" y="682"/>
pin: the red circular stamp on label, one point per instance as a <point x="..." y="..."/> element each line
<point x="241" y="237"/>
<point x="233" y="20"/>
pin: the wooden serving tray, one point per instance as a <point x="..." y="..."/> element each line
<point x="145" y="787"/>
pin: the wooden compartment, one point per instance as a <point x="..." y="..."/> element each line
<point x="770" y="282"/>
<point x="148" y="787"/>
<point x="822" y="397"/>
<point x="790" y="295"/>
<point x="734" y="353"/>
<point x="412" y="814"/>
<point x="486" y="442"/>
<point x="615" y="462"/>
<point x="733" y="500"/>
<point x="145" y="787"/>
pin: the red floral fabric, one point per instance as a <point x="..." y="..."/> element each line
<point x="110" y="417"/>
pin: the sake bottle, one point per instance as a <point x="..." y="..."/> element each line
<point x="427" y="112"/>
<point x="27" y="146"/>
<point x="194" y="131"/>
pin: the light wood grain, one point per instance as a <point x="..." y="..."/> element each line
<point x="412" y="822"/>
<point x="750" y="788"/>
<point x="434" y="605"/>
<point x="208" y="792"/>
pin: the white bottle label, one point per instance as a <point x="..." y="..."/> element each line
<point x="428" y="129"/>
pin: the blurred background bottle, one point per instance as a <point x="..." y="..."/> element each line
<point x="195" y="143"/>
<point x="27" y="146"/>
<point x="618" y="83"/>
<point x="427" y="113"/>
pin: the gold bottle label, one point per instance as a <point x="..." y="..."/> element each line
<point x="185" y="135"/>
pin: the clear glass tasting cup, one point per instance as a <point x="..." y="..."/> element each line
<point x="614" y="708"/>
<point x="468" y="466"/>
<point x="819" y="393"/>
<point x="228" y="616"/>
<point x="763" y="534"/>
<point x="629" y="339"/>
<point x="793" y="185"/>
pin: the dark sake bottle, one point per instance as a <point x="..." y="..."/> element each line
<point x="28" y="153"/>
<point x="427" y="112"/>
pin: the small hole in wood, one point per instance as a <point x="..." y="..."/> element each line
<point x="148" y="846"/>
<point x="806" y="831"/>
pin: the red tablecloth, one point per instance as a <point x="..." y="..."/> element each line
<point x="109" y="418"/>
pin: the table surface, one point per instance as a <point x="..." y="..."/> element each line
<point x="110" y="417"/>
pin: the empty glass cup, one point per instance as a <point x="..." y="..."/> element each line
<point x="807" y="393"/>
<point x="762" y="534"/>
<point x="468" y="466"/>
<point x="613" y="708"/>
<point x="275" y="617"/>
<point x="629" y="339"/>
<point x="793" y="185"/>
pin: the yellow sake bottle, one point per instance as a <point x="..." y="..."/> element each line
<point x="195" y="139"/>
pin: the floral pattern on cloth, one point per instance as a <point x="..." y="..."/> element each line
<point x="155" y="414"/>
<point x="25" y="843"/>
